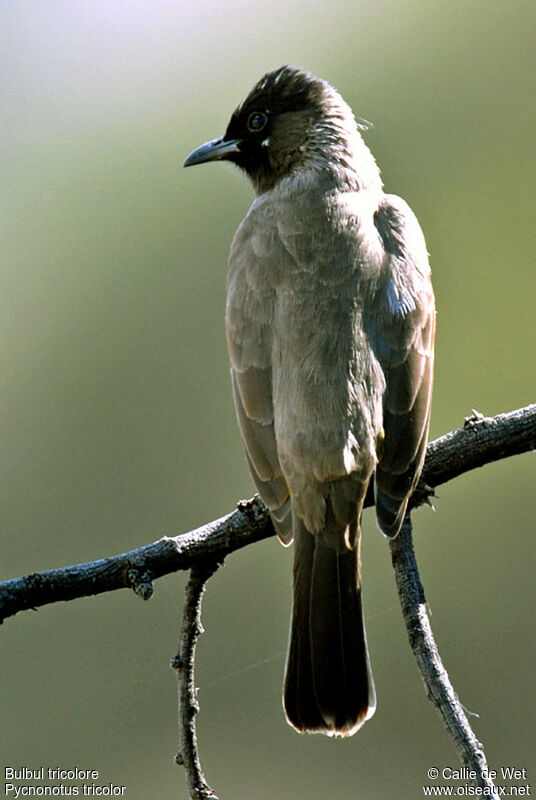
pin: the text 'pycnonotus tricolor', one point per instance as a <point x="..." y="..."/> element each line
<point x="330" y="325"/>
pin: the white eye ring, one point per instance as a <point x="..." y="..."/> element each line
<point x="256" y="121"/>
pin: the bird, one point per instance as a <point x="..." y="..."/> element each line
<point x="330" y="327"/>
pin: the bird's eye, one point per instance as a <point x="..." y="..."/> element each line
<point x="256" y="121"/>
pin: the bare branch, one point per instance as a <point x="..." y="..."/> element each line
<point x="184" y="663"/>
<point x="136" y="569"/>
<point x="480" y="441"/>
<point x="436" y="680"/>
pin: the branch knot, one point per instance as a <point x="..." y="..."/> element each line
<point x="140" y="582"/>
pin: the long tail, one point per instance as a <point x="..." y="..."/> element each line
<point x="328" y="684"/>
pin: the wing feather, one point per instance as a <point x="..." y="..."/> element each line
<point x="249" y="317"/>
<point x="401" y="333"/>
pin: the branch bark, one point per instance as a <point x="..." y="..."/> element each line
<point x="184" y="663"/>
<point x="480" y="441"/>
<point x="436" y="680"/>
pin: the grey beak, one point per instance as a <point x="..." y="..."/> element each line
<point x="212" y="151"/>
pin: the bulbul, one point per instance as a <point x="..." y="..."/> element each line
<point x="330" y="325"/>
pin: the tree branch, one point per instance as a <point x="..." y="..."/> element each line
<point x="184" y="663"/>
<point x="436" y="680"/>
<point x="137" y="569"/>
<point x="482" y="440"/>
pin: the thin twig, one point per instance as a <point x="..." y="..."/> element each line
<point x="479" y="442"/>
<point x="436" y="680"/>
<point x="184" y="663"/>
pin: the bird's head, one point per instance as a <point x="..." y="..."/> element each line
<point x="290" y="125"/>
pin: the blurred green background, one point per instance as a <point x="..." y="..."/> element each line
<point x="117" y="419"/>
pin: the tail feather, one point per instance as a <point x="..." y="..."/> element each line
<point x="328" y="684"/>
<point x="299" y="695"/>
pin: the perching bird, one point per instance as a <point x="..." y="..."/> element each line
<point x="330" y="327"/>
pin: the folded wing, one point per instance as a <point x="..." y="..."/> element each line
<point x="401" y="331"/>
